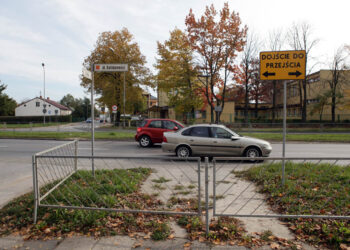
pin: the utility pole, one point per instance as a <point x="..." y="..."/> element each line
<point x="44" y="105"/>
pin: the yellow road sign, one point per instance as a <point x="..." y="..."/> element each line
<point x="282" y="65"/>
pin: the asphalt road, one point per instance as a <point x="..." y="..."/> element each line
<point x="16" y="157"/>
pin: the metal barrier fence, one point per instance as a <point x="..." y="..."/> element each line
<point x="45" y="173"/>
<point x="173" y="186"/>
<point x="243" y="188"/>
<point x="158" y="185"/>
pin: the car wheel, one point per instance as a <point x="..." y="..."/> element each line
<point x="145" y="141"/>
<point x="252" y="152"/>
<point x="183" y="152"/>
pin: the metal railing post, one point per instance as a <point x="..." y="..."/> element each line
<point x="214" y="187"/>
<point x="35" y="188"/>
<point x="206" y="196"/>
<point x="284" y="130"/>
<point x="76" y="155"/>
<point x="199" y="188"/>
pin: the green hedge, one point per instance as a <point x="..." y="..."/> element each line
<point x="34" y="119"/>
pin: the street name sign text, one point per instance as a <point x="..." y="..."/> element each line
<point x="111" y="67"/>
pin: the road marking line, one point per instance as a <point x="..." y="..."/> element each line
<point x="94" y="148"/>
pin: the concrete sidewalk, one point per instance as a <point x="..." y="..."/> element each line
<point x="115" y="242"/>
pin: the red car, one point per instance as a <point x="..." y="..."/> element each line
<point x="151" y="131"/>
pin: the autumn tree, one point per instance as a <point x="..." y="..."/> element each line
<point x="276" y="40"/>
<point x="259" y="90"/>
<point x="323" y="101"/>
<point x="300" y="38"/>
<point x="235" y="93"/>
<point x="7" y="104"/>
<point x="337" y="78"/>
<point x="118" y="47"/>
<point x="246" y="70"/>
<point x="176" y="73"/>
<point x="216" y="39"/>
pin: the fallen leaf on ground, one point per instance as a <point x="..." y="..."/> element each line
<point x="136" y="245"/>
<point x="344" y="247"/>
<point x="274" y="246"/>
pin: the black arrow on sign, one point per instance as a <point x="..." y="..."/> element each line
<point x="267" y="74"/>
<point x="296" y="73"/>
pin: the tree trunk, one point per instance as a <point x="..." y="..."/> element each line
<point x="246" y="103"/>
<point x="304" y="110"/>
<point x="300" y="97"/>
<point x="333" y="108"/>
<point x="256" y="107"/>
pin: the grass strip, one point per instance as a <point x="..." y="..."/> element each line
<point x="117" y="188"/>
<point x="302" y="137"/>
<point x="294" y="130"/>
<point x="320" y="189"/>
<point x="66" y="135"/>
<point x="31" y="125"/>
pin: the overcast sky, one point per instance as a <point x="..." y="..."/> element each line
<point x="61" y="33"/>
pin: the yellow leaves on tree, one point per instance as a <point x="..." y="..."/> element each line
<point x="118" y="47"/>
<point x="176" y="74"/>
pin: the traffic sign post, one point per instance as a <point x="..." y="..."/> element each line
<point x="116" y="67"/>
<point x="114" y="111"/>
<point x="114" y="108"/>
<point x="101" y="68"/>
<point x="283" y="65"/>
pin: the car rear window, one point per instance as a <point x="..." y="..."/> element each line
<point x="143" y="123"/>
<point x="155" y="124"/>
<point x="186" y="132"/>
<point x="169" y="125"/>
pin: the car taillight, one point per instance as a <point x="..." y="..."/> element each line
<point x="138" y="130"/>
<point x="164" y="139"/>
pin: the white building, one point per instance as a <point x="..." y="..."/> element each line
<point x="35" y="107"/>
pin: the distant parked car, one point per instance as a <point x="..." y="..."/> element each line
<point x="151" y="131"/>
<point x="136" y="118"/>
<point x="88" y="120"/>
<point x="213" y="140"/>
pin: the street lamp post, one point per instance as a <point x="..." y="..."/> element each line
<point x="44" y="105"/>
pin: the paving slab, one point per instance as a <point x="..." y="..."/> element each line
<point x="115" y="242"/>
<point x="10" y="242"/>
<point x="77" y="243"/>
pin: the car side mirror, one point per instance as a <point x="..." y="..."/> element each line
<point x="234" y="138"/>
<point x="176" y="128"/>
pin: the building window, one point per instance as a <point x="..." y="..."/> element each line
<point x="37" y="104"/>
<point x="204" y="114"/>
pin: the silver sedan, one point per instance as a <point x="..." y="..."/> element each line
<point x="210" y="140"/>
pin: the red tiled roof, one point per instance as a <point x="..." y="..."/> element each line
<point x="56" y="104"/>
